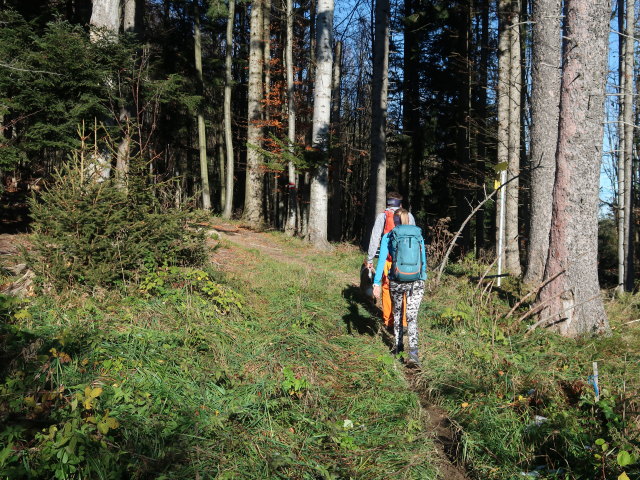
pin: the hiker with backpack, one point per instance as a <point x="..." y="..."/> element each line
<point x="384" y="224"/>
<point x="404" y="246"/>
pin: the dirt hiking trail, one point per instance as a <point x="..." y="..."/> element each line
<point x="228" y="257"/>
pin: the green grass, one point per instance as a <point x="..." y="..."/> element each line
<point x="291" y="380"/>
<point x="494" y="383"/>
<point x="181" y="383"/>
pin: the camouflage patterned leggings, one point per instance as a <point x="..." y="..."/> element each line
<point x="414" y="292"/>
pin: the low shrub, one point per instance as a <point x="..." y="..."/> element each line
<point x="102" y="234"/>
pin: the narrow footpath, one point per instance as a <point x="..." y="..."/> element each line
<point x="228" y="257"/>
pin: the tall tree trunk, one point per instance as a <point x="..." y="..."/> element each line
<point x="620" y="156"/>
<point x="504" y="62"/>
<point x="545" y="99"/>
<point x="484" y="123"/>
<point x="629" y="83"/>
<point x="318" y="205"/>
<point x="228" y="138"/>
<point x="335" y="222"/>
<point x="512" y="250"/>
<point x="202" y="134"/>
<point x="572" y="303"/>
<point x="292" y="187"/>
<point x="379" y="88"/>
<point x="253" y="191"/>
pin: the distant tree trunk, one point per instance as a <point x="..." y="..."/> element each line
<point x="512" y="235"/>
<point x="292" y="187"/>
<point x="105" y="21"/>
<point x="253" y="191"/>
<point x="202" y="134"/>
<point x="572" y="303"/>
<point x="410" y="183"/>
<point x="545" y="99"/>
<point x="105" y="15"/>
<point x="629" y="83"/>
<point x="228" y="138"/>
<point x="379" y="88"/>
<point x="129" y="16"/>
<point x="321" y="121"/>
<point x="484" y="123"/>
<point x="335" y="222"/>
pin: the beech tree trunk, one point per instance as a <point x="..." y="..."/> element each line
<point x="228" y="138"/>
<point x="545" y="100"/>
<point x="105" y="22"/>
<point x="292" y="187"/>
<point x="571" y="303"/>
<point x="318" y="205"/>
<point x="379" y="88"/>
<point x="253" y="212"/>
<point x="512" y="250"/>
<point x="202" y="134"/>
<point x="105" y="18"/>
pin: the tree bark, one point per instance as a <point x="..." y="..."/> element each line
<point x="202" y="134"/>
<point x="335" y="222"/>
<point x="503" y="112"/>
<point x="321" y="121"/>
<point x="545" y="99"/>
<point x="253" y="212"/>
<point x="572" y="302"/>
<point x="379" y="88"/>
<point x="228" y="138"/>
<point x="105" y="16"/>
<point x="512" y="234"/>
<point x="629" y="83"/>
<point x="292" y="186"/>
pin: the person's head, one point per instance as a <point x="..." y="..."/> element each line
<point x="394" y="199"/>
<point x="401" y="217"/>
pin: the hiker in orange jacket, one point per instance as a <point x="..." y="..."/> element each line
<point x="383" y="225"/>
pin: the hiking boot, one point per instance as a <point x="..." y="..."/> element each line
<point x="413" y="360"/>
<point x="398" y="349"/>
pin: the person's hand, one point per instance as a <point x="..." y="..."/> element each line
<point x="376" y="291"/>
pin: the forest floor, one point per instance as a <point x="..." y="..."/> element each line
<point x="272" y="351"/>
<point x="232" y="259"/>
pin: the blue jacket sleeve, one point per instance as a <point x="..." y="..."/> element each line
<point x="423" y="274"/>
<point x="382" y="258"/>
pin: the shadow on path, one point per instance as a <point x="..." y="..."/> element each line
<point x="364" y="316"/>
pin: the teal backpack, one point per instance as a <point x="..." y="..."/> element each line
<point x="405" y="247"/>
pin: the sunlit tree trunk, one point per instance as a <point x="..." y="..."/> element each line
<point x="502" y="147"/>
<point x="202" y="134"/>
<point x="253" y="213"/>
<point x="228" y="138"/>
<point x="292" y="187"/>
<point x="545" y="99"/>
<point x="105" y="22"/>
<point x="512" y="250"/>
<point x="321" y="121"/>
<point x="379" y="88"/>
<point x="571" y="302"/>
<point x="629" y="84"/>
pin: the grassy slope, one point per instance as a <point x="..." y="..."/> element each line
<point x="294" y="384"/>
<point x="494" y="379"/>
